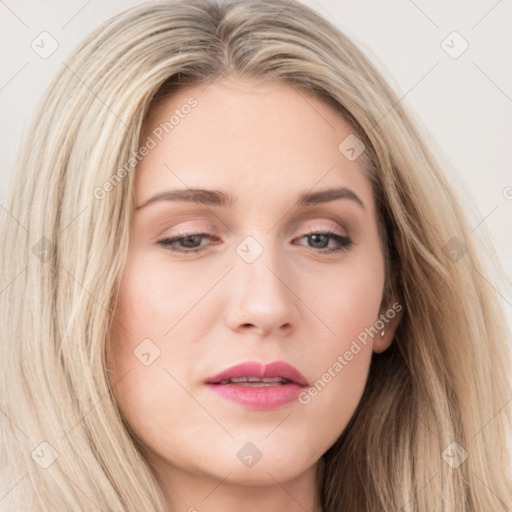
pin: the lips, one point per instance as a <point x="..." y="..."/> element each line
<point x="259" y="387"/>
<point x="255" y="374"/>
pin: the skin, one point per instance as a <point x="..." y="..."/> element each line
<point x="206" y="311"/>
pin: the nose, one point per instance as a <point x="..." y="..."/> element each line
<point x="263" y="300"/>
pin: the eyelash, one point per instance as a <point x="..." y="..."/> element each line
<point x="344" y="241"/>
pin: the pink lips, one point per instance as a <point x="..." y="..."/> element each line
<point x="257" y="386"/>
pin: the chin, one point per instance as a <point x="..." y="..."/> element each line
<point x="264" y="473"/>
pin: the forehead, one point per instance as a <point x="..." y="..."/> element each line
<point x="255" y="139"/>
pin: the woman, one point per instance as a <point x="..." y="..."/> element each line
<point x="238" y="279"/>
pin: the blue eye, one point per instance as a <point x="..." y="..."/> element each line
<point x="185" y="243"/>
<point x="323" y="238"/>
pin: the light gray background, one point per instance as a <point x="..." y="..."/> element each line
<point x="464" y="103"/>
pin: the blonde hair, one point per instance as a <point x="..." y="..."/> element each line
<point x="443" y="380"/>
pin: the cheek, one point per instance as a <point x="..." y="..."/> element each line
<point x="347" y="302"/>
<point x="144" y="366"/>
<point x="342" y="363"/>
<point x="152" y="296"/>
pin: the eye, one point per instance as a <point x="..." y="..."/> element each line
<point x="322" y="239"/>
<point x="185" y="243"/>
<point x="190" y="242"/>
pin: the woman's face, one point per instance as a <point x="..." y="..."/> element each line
<point x="259" y="287"/>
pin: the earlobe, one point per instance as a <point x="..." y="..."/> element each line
<point x="390" y="317"/>
<point x="382" y="341"/>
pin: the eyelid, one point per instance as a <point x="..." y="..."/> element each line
<point x="338" y="227"/>
<point x="312" y="227"/>
<point x="197" y="225"/>
<point x="207" y="232"/>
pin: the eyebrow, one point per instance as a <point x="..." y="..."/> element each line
<point x="221" y="198"/>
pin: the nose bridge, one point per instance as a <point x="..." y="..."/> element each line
<point x="258" y="262"/>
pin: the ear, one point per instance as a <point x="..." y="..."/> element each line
<point x="390" y="315"/>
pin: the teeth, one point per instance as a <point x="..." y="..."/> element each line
<point x="263" y="381"/>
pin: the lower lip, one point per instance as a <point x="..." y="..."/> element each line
<point x="263" y="398"/>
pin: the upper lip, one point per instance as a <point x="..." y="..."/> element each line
<point x="259" y="370"/>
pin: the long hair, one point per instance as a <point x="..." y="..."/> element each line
<point x="430" y="431"/>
